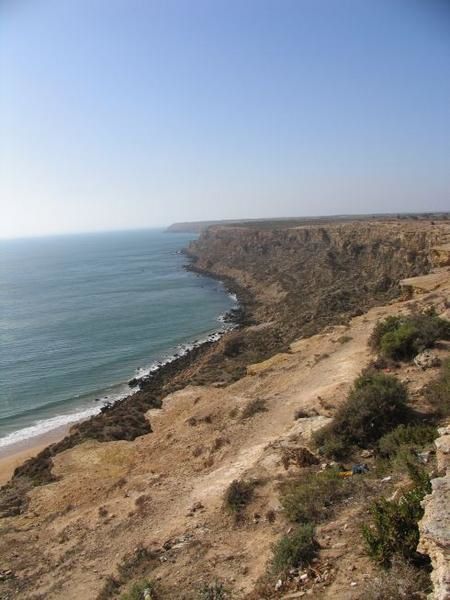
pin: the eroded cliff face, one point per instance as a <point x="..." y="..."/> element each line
<point x="304" y="278"/>
<point x="435" y="525"/>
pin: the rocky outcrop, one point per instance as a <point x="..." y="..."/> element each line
<point x="441" y="255"/>
<point x="435" y="525"/>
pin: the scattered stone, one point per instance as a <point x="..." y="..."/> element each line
<point x="278" y="585"/>
<point x="427" y="359"/>
<point x="386" y="479"/>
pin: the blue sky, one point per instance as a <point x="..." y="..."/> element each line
<point x="117" y="114"/>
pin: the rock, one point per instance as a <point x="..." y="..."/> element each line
<point x="386" y="479"/>
<point x="427" y="359"/>
<point x="278" y="585"/>
<point x="424" y="457"/>
<point x="435" y="525"/>
<point x="366" y="453"/>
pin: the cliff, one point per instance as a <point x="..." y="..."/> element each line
<point x="303" y="278"/>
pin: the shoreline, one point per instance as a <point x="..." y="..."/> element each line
<point x="17" y="453"/>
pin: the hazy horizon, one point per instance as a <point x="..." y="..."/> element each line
<point x="131" y="115"/>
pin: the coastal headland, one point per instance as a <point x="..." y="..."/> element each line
<point x="137" y="492"/>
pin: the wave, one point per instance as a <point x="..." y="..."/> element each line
<point x="46" y="425"/>
<point x="43" y="426"/>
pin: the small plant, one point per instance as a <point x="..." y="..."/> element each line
<point x="402" y="337"/>
<point x="394" y="530"/>
<point x="376" y="405"/>
<point x="238" y="495"/>
<point x="402" y="582"/>
<point x="253" y="407"/>
<point x="310" y="497"/>
<point x="213" y="591"/>
<point x="294" y="550"/>
<point x="406" y="437"/>
<point x="343" y="339"/>
<point x="142" y="590"/>
<point x="438" y="392"/>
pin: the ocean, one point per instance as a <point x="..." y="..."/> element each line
<point x="81" y="315"/>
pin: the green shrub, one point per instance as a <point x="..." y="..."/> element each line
<point x="438" y="392"/>
<point x="142" y="590"/>
<point x="310" y="497"/>
<point x="413" y="437"/>
<point x="402" y="337"/>
<point x="238" y="495"/>
<point x="294" y="550"/>
<point x="394" y="528"/>
<point x="376" y="405"/>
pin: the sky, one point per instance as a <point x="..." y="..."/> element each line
<point x="118" y="114"/>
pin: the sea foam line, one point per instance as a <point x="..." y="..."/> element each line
<point x="44" y="426"/>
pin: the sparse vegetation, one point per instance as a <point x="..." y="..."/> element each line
<point x="311" y="496"/>
<point x="238" y="495"/>
<point x="213" y="591"/>
<point x="133" y="566"/>
<point x="142" y="590"/>
<point x="253" y="407"/>
<point x="402" y="337"/>
<point x="343" y="339"/>
<point x="402" y="582"/>
<point x="394" y="528"/>
<point x="438" y="392"/>
<point x="376" y="404"/>
<point x="294" y="550"/>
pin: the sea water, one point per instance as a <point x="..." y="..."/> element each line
<point x="80" y="315"/>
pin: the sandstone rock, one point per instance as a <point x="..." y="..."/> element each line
<point x="435" y="524"/>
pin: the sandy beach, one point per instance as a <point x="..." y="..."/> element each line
<point x="16" y="454"/>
